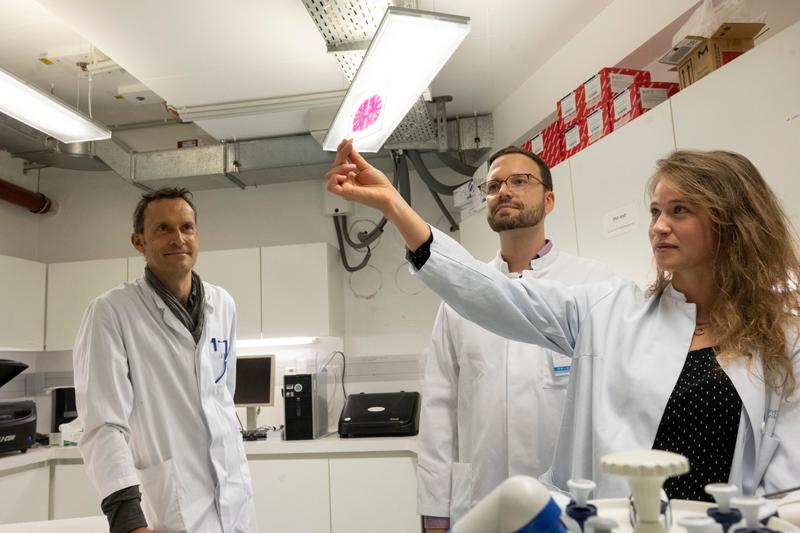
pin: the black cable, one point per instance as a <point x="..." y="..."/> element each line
<point x="377" y="231"/>
<point x="456" y="164"/>
<point x="401" y="173"/>
<point x="367" y="238"/>
<point x="343" y="251"/>
<point x="443" y="208"/>
<point x="428" y="178"/>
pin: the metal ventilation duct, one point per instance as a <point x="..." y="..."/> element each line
<point x="225" y="165"/>
<point x="32" y="145"/>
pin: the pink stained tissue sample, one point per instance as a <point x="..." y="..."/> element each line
<point x="368" y="112"/>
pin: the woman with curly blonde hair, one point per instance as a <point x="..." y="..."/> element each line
<point x="705" y="363"/>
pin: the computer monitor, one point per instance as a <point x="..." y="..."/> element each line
<point x="255" y="384"/>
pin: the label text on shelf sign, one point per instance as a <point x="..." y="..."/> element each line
<point x="621" y="220"/>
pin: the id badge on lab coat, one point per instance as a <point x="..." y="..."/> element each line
<point x="559" y="367"/>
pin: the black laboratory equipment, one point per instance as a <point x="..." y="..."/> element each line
<point x="64" y="409"/>
<point x="382" y="414"/>
<point x="305" y="406"/>
<point x="17" y="417"/>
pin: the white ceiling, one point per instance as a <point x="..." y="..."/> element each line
<point x="194" y="52"/>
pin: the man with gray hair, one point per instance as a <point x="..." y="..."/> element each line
<point x="155" y="371"/>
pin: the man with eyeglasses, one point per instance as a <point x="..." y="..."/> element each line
<point x="492" y="407"/>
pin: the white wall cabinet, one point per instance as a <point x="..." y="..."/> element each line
<point x="611" y="206"/>
<point x="74" y="494"/>
<point x="239" y="273"/>
<point x="302" y="291"/>
<point x="22" y="291"/>
<point x="751" y="106"/>
<point x="291" y="495"/>
<point x="236" y="271"/>
<point x="560" y="223"/>
<point x="26" y="495"/>
<point x="374" y="494"/>
<point x="135" y="268"/>
<point x="70" y="288"/>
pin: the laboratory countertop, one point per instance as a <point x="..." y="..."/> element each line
<point x="255" y="450"/>
<point x="91" y="524"/>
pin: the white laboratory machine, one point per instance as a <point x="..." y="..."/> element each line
<point x="523" y="505"/>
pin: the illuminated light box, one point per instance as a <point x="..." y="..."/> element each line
<point x="409" y="48"/>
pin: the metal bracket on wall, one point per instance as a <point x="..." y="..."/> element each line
<point x="441" y="121"/>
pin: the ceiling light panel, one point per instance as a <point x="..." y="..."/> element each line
<point x="409" y="48"/>
<point x="26" y="103"/>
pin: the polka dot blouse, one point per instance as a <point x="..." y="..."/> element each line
<point x="701" y="422"/>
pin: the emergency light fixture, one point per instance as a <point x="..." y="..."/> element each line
<point x="409" y="48"/>
<point x="26" y="103"/>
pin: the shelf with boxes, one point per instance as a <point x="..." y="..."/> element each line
<point x="614" y="96"/>
<point x="605" y="102"/>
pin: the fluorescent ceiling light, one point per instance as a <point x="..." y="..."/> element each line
<point x="265" y="105"/>
<point x="39" y="110"/>
<point x="277" y="341"/>
<point x="409" y="48"/>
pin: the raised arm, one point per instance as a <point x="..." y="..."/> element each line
<point x="355" y="180"/>
<point x="530" y="310"/>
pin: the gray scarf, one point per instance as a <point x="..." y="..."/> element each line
<point x="194" y="317"/>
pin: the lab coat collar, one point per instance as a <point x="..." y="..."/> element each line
<point x="160" y="303"/>
<point x="167" y="316"/>
<point x="536" y="263"/>
<point x="675" y="293"/>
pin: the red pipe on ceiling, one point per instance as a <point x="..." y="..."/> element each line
<point x="35" y="202"/>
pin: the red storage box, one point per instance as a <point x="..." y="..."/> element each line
<point x="575" y="139"/>
<point x="568" y="112"/>
<point x="549" y="144"/>
<point x="638" y="99"/>
<point x="601" y="88"/>
<point x="599" y="123"/>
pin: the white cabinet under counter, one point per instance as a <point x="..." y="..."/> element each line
<point x="328" y="485"/>
<point x="26" y="493"/>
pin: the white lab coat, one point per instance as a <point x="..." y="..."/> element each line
<point x="491" y="408"/>
<point x="628" y="351"/>
<point x="154" y="415"/>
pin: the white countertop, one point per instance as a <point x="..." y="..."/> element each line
<point x="92" y="524"/>
<point x="329" y="445"/>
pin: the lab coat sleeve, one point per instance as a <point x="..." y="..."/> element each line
<point x="437" y="444"/>
<point x="104" y="398"/>
<point x="534" y="311"/>
<point x="783" y="471"/>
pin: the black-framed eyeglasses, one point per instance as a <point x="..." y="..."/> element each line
<point x="515" y="182"/>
